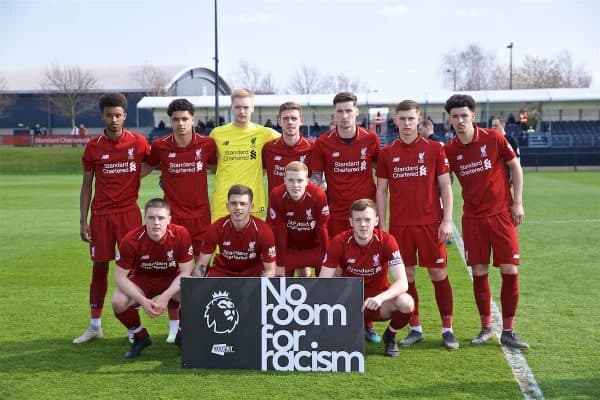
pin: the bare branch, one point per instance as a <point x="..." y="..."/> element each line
<point x="307" y="80"/>
<point x="69" y="90"/>
<point x="152" y="79"/>
<point x="6" y="100"/>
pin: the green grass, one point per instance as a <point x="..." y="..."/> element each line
<point x="45" y="272"/>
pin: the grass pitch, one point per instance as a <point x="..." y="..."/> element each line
<point x="45" y="273"/>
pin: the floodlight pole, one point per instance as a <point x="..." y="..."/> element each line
<point x="510" y="46"/>
<point x="217" y="119"/>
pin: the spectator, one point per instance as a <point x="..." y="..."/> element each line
<point x="378" y="122"/>
<point x="523" y="120"/>
<point x="269" y="124"/>
<point x="161" y="124"/>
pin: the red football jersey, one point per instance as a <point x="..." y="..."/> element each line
<point x="277" y="154"/>
<point x="241" y="252"/>
<point x="369" y="262"/>
<point x="412" y="171"/>
<point x="300" y="224"/>
<point x="348" y="167"/>
<point x="117" y="168"/>
<point x="144" y="256"/>
<point x="482" y="172"/>
<point x="184" y="174"/>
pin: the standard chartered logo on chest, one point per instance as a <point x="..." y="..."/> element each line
<point x="285" y="349"/>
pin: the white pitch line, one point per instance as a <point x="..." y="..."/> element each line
<point x="514" y="357"/>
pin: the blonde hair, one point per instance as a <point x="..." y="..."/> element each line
<point x="241" y="94"/>
<point x="296" y="166"/>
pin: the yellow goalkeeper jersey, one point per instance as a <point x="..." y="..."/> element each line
<point x="239" y="153"/>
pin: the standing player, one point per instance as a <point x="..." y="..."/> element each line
<point x="413" y="168"/>
<point x="368" y="253"/>
<point x="114" y="159"/>
<point x="291" y="146"/>
<point x="239" y="152"/>
<point x="152" y="259"/>
<point x="183" y="156"/>
<point x="346" y="155"/>
<point x="298" y="215"/>
<point x="499" y="124"/>
<point x="246" y="243"/>
<point x="426" y="130"/>
<point x="479" y="158"/>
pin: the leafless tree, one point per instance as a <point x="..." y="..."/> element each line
<point x="470" y="69"/>
<point x="306" y="80"/>
<point x="68" y="90"/>
<point x="340" y="83"/>
<point x="152" y="79"/>
<point x="6" y="100"/>
<point x="250" y="77"/>
<point x="557" y="72"/>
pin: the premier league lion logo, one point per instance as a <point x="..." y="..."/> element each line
<point x="221" y="314"/>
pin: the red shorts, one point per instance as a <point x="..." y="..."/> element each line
<point x="197" y="228"/>
<point x="300" y="258"/>
<point x="422" y="239"/>
<point x="108" y="230"/>
<point x="152" y="286"/>
<point x="338" y="225"/>
<point x="217" y="272"/>
<point x="497" y="233"/>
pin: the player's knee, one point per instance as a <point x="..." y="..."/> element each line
<point x="119" y="302"/>
<point x="509" y="269"/>
<point x="437" y="274"/>
<point x="479" y="270"/>
<point x="405" y="303"/>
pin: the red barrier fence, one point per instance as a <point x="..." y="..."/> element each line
<point x="52" y="140"/>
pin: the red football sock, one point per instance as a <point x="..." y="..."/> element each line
<point x="399" y="320"/>
<point x="509" y="297"/>
<point x="98" y="288"/>
<point x="443" y="298"/>
<point x="173" y="309"/>
<point x="483" y="295"/>
<point x="130" y="318"/>
<point x="412" y="290"/>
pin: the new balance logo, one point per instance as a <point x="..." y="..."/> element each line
<point x="439" y="261"/>
<point x="396" y="159"/>
<point x="351" y="260"/>
<point x="459" y="157"/>
<point x="335" y="154"/>
<point x="277" y="158"/>
<point x="145" y="257"/>
<point x="172" y="155"/>
<point x="227" y="243"/>
<point x="290" y="214"/>
<point x="105" y="156"/>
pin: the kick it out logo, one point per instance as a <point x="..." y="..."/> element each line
<point x="285" y="349"/>
<point x="220" y="313"/>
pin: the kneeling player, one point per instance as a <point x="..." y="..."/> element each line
<point x="246" y="243"/>
<point x="152" y="259"/>
<point x="298" y="214"/>
<point x="368" y="253"/>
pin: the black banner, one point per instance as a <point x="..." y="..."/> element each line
<point x="279" y="324"/>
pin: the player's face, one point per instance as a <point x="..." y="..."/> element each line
<point x="114" y="118"/>
<point x="497" y="125"/>
<point x="295" y="183"/>
<point x="363" y="222"/>
<point x="242" y="109"/>
<point x="407" y="121"/>
<point x="239" y="207"/>
<point x="157" y="219"/>
<point x="290" y="122"/>
<point x="345" y="115"/>
<point x="182" y="122"/>
<point x="462" y="120"/>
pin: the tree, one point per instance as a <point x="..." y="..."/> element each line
<point x="152" y="79"/>
<point x="6" y="100"/>
<point x="557" y="72"/>
<point x="470" y="69"/>
<point x="340" y="83"/>
<point x="250" y="77"/>
<point x="68" y="90"/>
<point x="306" y="80"/>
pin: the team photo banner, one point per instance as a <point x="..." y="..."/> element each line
<point x="277" y="324"/>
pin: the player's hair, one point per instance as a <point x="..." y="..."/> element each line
<point x="296" y="166"/>
<point x="344" y="97"/>
<point x="460" y="100"/>
<point x="425" y="124"/>
<point x="240" y="190"/>
<point x="499" y="118"/>
<point x="290" y="105"/>
<point x="407" y="105"/>
<point x="157" y="203"/>
<point x="362" y="205"/>
<point x="112" y="100"/>
<point x="241" y="94"/>
<point x="180" y="105"/>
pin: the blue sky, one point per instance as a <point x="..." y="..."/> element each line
<point x="391" y="46"/>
